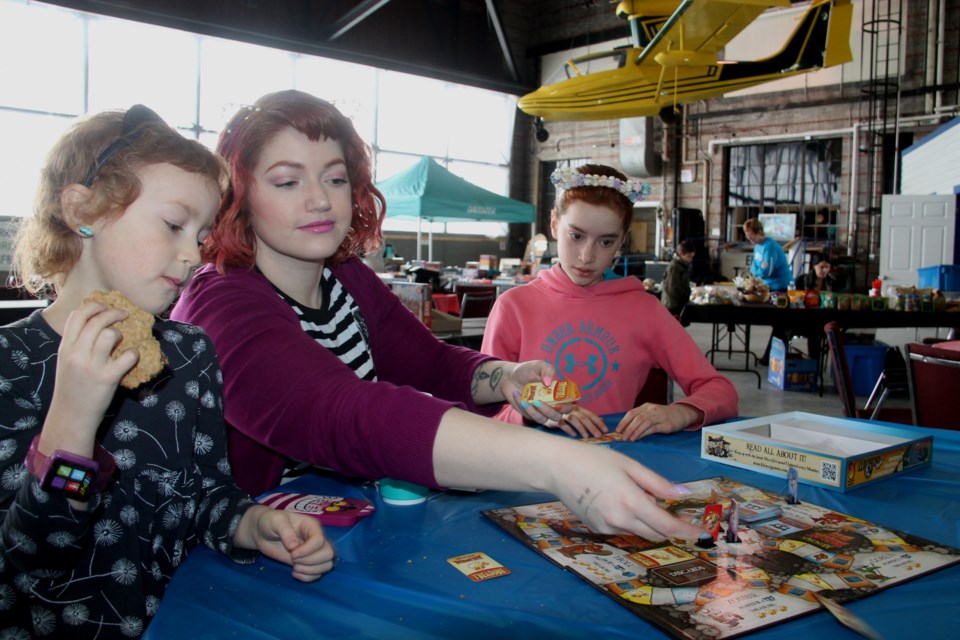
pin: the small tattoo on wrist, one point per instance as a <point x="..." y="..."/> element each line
<point x="495" y="377"/>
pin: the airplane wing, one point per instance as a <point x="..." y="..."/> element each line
<point x="700" y="28"/>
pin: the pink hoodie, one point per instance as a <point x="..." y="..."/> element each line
<point x="605" y="337"/>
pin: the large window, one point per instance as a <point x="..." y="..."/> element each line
<point x="56" y="64"/>
<point x="801" y="178"/>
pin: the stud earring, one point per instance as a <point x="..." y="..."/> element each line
<point x="86" y="232"/>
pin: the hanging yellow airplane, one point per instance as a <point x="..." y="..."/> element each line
<point x="672" y="59"/>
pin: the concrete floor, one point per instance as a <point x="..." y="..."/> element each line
<point x="769" y="399"/>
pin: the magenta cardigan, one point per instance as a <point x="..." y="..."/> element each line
<point x="288" y="398"/>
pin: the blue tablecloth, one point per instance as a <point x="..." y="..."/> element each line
<point x="392" y="579"/>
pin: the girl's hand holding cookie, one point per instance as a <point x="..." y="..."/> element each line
<point x="87" y="375"/>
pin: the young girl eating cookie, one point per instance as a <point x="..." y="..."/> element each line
<point x="106" y="488"/>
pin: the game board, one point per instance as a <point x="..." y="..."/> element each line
<point x="786" y="554"/>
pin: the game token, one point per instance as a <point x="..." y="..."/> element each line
<point x="733" y="522"/>
<point x="793" y="481"/>
<point x="711" y="519"/>
<point x="706" y="541"/>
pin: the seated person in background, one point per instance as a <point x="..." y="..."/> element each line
<point x="675" y="291"/>
<point x="604" y="334"/>
<point x="821" y="276"/>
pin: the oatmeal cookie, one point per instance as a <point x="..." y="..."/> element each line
<point x="137" y="332"/>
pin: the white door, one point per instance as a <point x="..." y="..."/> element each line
<point x="915" y="232"/>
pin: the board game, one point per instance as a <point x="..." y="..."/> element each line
<point x="786" y="555"/>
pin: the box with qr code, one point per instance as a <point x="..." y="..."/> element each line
<point x="832" y="453"/>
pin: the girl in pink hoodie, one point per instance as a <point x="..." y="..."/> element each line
<point x="602" y="331"/>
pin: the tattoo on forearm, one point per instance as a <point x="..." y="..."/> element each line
<point x="494" y="377"/>
<point x="587" y="497"/>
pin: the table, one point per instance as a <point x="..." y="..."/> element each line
<point x="727" y="318"/>
<point x="392" y="579"/>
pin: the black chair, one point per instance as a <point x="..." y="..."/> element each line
<point x="476" y="302"/>
<point x="934" y="375"/>
<point x="658" y="389"/>
<point x="841" y="373"/>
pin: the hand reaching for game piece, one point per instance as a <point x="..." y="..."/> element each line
<point x="613" y="493"/>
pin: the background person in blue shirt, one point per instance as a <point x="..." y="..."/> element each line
<point x="769" y="260"/>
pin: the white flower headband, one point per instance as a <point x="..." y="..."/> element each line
<point x="565" y="178"/>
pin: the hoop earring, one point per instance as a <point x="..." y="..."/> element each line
<point x="86" y="232"/>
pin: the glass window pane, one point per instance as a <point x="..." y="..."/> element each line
<point x="41" y="58"/>
<point x="390" y="164"/>
<point x="235" y="74"/>
<point x="483" y="128"/>
<point x="31" y="135"/>
<point x="134" y="63"/>
<point x="416" y="115"/>
<point x="490" y="177"/>
<point x="350" y="87"/>
<point x="488" y="229"/>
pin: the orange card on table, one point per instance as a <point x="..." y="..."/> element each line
<point x="478" y="566"/>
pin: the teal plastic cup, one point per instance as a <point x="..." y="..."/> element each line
<point x="402" y="493"/>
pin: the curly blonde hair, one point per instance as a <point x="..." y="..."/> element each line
<point x="47" y="247"/>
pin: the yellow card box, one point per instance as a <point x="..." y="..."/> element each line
<point x="559" y="392"/>
<point x="833" y="453"/>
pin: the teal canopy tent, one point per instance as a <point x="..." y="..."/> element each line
<point x="427" y="191"/>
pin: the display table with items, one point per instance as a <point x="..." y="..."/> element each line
<point x="445" y="568"/>
<point x="732" y="323"/>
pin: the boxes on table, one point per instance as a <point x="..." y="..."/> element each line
<point x="416" y="297"/>
<point x="945" y="277"/>
<point x="833" y="453"/>
<point x="791" y="371"/>
<point x="487" y="262"/>
<point x="865" y="362"/>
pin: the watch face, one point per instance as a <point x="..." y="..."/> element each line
<point x="69" y="477"/>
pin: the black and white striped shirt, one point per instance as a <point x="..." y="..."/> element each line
<point x="337" y="325"/>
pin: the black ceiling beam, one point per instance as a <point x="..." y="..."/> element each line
<point x="354" y="17"/>
<point x="198" y="18"/>
<point x="494" y="16"/>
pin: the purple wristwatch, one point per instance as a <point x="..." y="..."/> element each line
<point x="74" y="476"/>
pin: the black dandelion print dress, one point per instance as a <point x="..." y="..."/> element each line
<point x="101" y="573"/>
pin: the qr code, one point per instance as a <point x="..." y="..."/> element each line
<point x="828" y="471"/>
